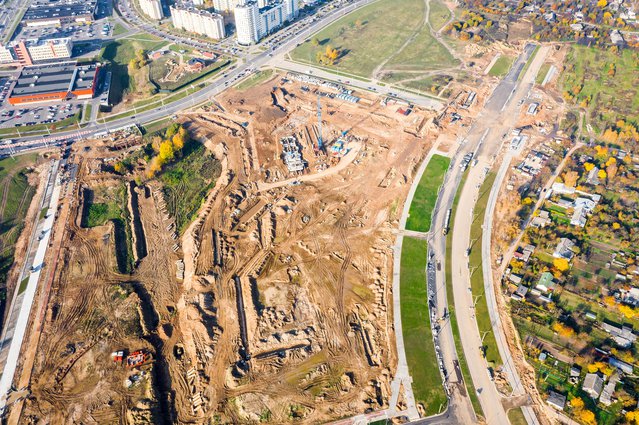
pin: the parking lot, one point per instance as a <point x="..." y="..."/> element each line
<point x="20" y="116"/>
<point x="76" y="32"/>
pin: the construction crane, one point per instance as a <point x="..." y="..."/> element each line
<point x="320" y="143"/>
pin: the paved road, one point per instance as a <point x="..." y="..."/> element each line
<point x="20" y="311"/>
<point x="211" y="90"/>
<point x="427" y="102"/>
<point x="484" y="136"/>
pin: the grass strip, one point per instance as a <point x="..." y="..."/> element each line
<point x="421" y="209"/>
<point x="477" y="277"/>
<point x="418" y="337"/>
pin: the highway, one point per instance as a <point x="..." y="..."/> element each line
<point x="484" y="139"/>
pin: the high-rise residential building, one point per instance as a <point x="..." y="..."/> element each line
<point x="152" y="8"/>
<point x="254" y="20"/>
<point x="247" y="20"/>
<point x="198" y="21"/>
<point x="27" y="52"/>
<point x="226" y="5"/>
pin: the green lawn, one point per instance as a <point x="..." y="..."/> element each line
<point x="516" y="417"/>
<point x="100" y="213"/>
<point x="421" y="209"/>
<point x="501" y="66"/>
<point x="108" y="204"/>
<point x="377" y="37"/>
<point x="418" y="338"/>
<point x="118" y="29"/>
<point x="119" y="53"/>
<point x="439" y="14"/>
<point x="187" y="181"/>
<point x="255" y="79"/>
<point x="541" y="75"/>
<point x="477" y="278"/>
<point x="16" y="195"/>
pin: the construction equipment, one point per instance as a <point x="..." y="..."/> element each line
<point x="137" y="358"/>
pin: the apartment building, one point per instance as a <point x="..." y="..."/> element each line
<point x="255" y="20"/>
<point x="27" y="52"/>
<point x="198" y="21"/>
<point x="226" y="5"/>
<point x="152" y="8"/>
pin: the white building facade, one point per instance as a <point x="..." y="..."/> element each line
<point x="198" y="21"/>
<point x="152" y="9"/>
<point x="226" y="5"/>
<point x="254" y="20"/>
<point x="61" y="48"/>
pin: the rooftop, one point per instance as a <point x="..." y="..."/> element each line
<point x="52" y="78"/>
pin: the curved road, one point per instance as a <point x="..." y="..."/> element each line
<point x="214" y="88"/>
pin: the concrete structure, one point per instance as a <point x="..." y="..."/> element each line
<point x="198" y="21"/>
<point x="152" y="8"/>
<point x="30" y="51"/>
<point x="43" y="13"/>
<point x="593" y="384"/>
<point x="255" y="20"/>
<point x="54" y="82"/>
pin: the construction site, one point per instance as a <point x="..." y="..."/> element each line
<point x="273" y="305"/>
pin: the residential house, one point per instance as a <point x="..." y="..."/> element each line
<point x="564" y="249"/>
<point x="520" y="293"/>
<point x="606" y="397"/>
<point x="623" y="336"/>
<point x="556" y="400"/>
<point x="593" y="384"/>
<point x="626" y="368"/>
<point x="541" y="220"/>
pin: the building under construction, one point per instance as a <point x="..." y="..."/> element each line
<point x="292" y="155"/>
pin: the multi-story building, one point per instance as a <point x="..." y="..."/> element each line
<point x="198" y="21"/>
<point x="43" y="13"/>
<point x="226" y="5"/>
<point x="54" y="82"/>
<point x="26" y="52"/>
<point x="152" y="8"/>
<point x="254" y="20"/>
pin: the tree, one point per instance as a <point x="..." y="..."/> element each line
<point x="602" y="3"/>
<point x="570" y="178"/>
<point x="588" y="166"/>
<point x="178" y="141"/>
<point x="119" y="168"/>
<point x="633" y="417"/>
<point x="586" y="416"/>
<point x="167" y="153"/>
<point x="602" y="174"/>
<point x="561" y="264"/>
<point x="577" y="403"/>
<point x="315" y="41"/>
